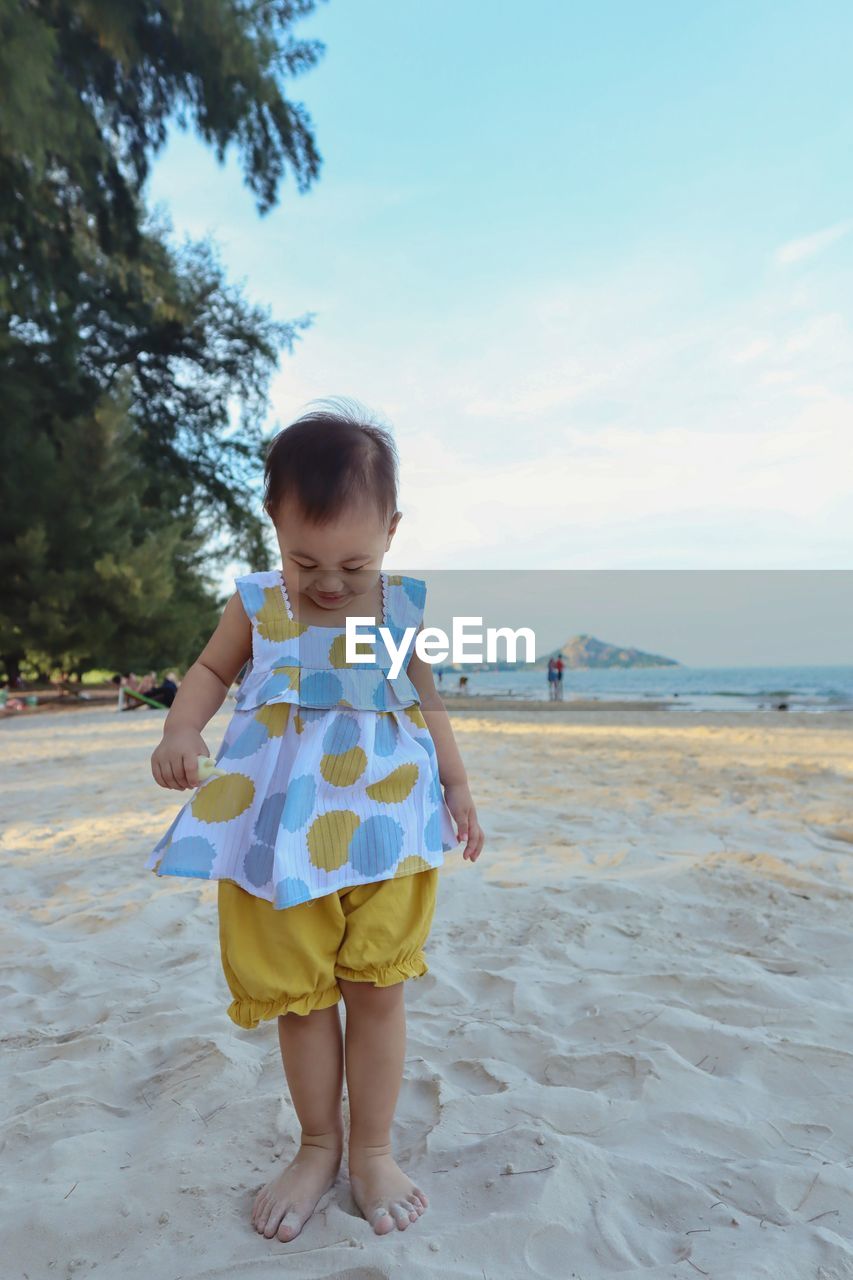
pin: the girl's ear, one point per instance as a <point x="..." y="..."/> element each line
<point x="392" y="528"/>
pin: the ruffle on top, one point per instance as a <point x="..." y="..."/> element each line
<point x="306" y="665"/>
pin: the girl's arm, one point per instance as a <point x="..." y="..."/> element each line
<point x="451" y="770"/>
<point x="202" y="691"/>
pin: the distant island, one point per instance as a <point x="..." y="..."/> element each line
<point x="579" y="653"/>
<point x="585" y="652"/>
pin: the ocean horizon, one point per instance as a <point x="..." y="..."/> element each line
<point x="800" y="688"/>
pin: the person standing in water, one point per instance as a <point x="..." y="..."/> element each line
<point x="552" y="679"/>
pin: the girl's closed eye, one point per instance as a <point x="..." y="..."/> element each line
<point x="347" y="568"/>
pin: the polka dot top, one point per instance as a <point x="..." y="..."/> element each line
<point x="307" y="664"/>
<point x="330" y="775"/>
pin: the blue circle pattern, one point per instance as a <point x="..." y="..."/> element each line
<point x="290" y="891"/>
<point x="380" y="696"/>
<point x="257" y="864"/>
<point x="341" y="735"/>
<point x="248" y="742"/>
<point x="269" y="816"/>
<point x="311" y="714"/>
<point x="252" y="596"/>
<point x="432" y="832"/>
<point x="286" y="660"/>
<point x="189" y="856"/>
<point x="376" y="844"/>
<point x="385" y="737"/>
<point x="299" y="802"/>
<point x="278" y="683"/>
<point x="324" y="686"/>
<point x="416" y="591"/>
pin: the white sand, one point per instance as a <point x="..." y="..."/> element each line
<point x="639" y="999"/>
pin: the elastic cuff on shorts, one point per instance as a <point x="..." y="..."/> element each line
<point x="248" y="1013"/>
<point x="385" y="975"/>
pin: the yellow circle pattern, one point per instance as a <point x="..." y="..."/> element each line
<point x="274" y="716"/>
<point x="329" y="837"/>
<point x="412" y="864"/>
<point x="343" y="770"/>
<point x="222" y="799"/>
<point x="396" y="786"/>
<point x="416" y="716"/>
<point x="338" y="651"/>
<point x="272" y="620"/>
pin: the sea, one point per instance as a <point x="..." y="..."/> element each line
<point x="810" y="689"/>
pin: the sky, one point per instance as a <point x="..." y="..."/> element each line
<point x="592" y="263"/>
<point x="706" y="618"/>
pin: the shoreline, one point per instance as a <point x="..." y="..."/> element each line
<point x="490" y="713"/>
<point x="107" y="699"/>
<point x="487" y="704"/>
<point x="586" y="710"/>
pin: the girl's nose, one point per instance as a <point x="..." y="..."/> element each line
<point x="329" y="584"/>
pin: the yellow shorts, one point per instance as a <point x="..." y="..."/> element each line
<point x="287" y="960"/>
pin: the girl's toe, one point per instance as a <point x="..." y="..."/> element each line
<point x="401" y="1214"/>
<point x="382" y="1220"/>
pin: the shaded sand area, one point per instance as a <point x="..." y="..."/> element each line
<point x="632" y="1055"/>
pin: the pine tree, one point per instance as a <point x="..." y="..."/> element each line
<point x="115" y="585"/>
<point x="133" y="377"/>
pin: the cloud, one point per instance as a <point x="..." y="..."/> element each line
<point x="810" y="246"/>
<point x="627" y="420"/>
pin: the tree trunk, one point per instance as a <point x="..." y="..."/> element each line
<point x="12" y="663"/>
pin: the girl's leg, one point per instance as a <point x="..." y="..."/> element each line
<point x="312" y="1055"/>
<point x="375" y="1053"/>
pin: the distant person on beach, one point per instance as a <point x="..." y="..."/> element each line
<point x="166" y="691"/>
<point x="163" y="693"/>
<point x="339" y="790"/>
<point x="552" y="679"/>
<point x="140" y="684"/>
<point x="559" y="665"/>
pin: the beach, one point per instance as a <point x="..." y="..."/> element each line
<point x="632" y="1054"/>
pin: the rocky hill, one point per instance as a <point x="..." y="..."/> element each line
<point x="587" y="652"/>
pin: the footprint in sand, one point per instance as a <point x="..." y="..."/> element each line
<point x="474" y="1077"/>
<point x="547" y="1251"/>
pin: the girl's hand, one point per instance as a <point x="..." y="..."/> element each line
<point x="458" y="800"/>
<point x="174" y="763"/>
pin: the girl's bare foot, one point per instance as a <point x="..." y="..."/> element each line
<point x="286" y="1203"/>
<point x="385" y="1195"/>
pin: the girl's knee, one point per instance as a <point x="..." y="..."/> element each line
<point x="367" y="994"/>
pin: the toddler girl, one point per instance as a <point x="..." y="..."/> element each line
<point x="326" y="824"/>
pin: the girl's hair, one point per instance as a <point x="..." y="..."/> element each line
<point x="326" y="458"/>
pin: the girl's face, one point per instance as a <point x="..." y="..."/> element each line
<point x="332" y="564"/>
